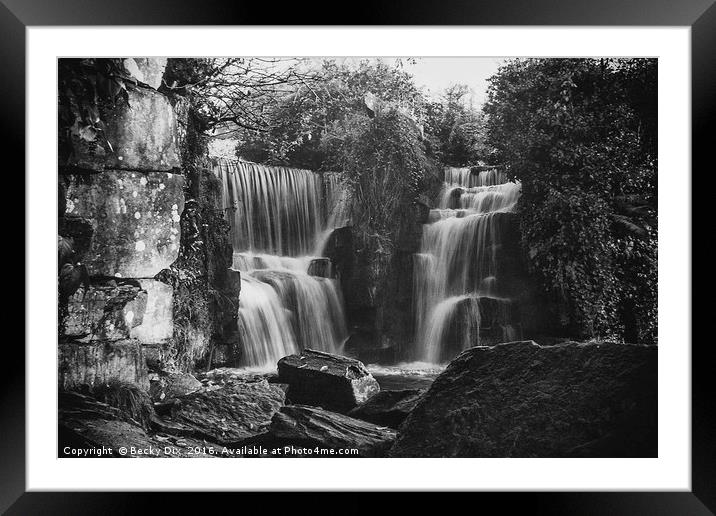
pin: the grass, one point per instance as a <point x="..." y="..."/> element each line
<point x="131" y="399"/>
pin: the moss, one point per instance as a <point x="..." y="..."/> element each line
<point x="192" y="323"/>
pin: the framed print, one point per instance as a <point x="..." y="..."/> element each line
<point x="459" y="253"/>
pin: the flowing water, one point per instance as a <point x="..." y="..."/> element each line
<point x="280" y="222"/>
<point x="457" y="290"/>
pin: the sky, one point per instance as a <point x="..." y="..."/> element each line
<point x="435" y="74"/>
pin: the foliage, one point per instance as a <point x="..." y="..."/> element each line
<point x="454" y="130"/>
<point x="301" y="119"/>
<point x="383" y="160"/>
<point x="580" y="135"/>
<point x="127" y="397"/>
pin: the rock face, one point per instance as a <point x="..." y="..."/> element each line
<point x="300" y="425"/>
<point x="377" y="284"/>
<point x="157" y="323"/>
<point x="135" y="218"/>
<point x="101" y="362"/>
<point x="119" y="208"/>
<point x="481" y="321"/>
<point x="523" y="400"/>
<point x="388" y="408"/>
<point x="142" y="135"/>
<point x="105" y="311"/>
<point x="326" y="380"/>
<point x="148" y="70"/>
<point x="231" y="413"/>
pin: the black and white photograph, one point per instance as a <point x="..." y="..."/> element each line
<point x="351" y="257"/>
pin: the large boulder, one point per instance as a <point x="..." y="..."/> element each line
<point x="101" y="362"/>
<point x="310" y="427"/>
<point x="325" y="380"/>
<point x="524" y="400"/>
<point x="142" y="134"/>
<point x="231" y="413"/>
<point x="135" y="219"/>
<point x="388" y="408"/>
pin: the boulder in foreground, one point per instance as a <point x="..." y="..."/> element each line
<point x="310" y="427"/>
<point x="325" y="380"/>
<point x="90" y="428"/>
<point x="524" y="400"/>
<point x="168" y="386"/>
<point x="231" y="413"/>
<point x="388" y="408"/>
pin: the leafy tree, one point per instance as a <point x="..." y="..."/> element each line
<point x="454" y="129"/>
<point x="302" y="118"/>
<point x="383" y="160"/>
<point x="580" y="135"/>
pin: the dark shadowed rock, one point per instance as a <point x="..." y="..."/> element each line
<point x="300" y="425"/>
<point x="524" y="400"/>
<point x="321" y="267"/>
<point x="77" y="228"/>
<point x="387" y="408"/>
<point x="326" y="380"/>
<point x="87" y="424"/>
<point x="231" y="413"/>
<point x="339" y="249"/>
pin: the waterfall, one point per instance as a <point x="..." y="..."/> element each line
<point x="457" y="292"/>
<point x="279" y="226"/>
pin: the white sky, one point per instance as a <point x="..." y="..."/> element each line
<point x="437" y="73"/>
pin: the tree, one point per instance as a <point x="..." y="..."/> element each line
<point x="236" y="92"/>
<point x="301" y="118"/>
<point x="383" y="160"/>
<point x="454" y="129"/>
<point x="580" y="135"/>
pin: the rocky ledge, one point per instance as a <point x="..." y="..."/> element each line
<point x="524" y="400"/>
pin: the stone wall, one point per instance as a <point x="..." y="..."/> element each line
<point x="120" y="211"/>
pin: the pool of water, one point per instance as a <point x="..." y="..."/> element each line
<point x="413" y="375"/>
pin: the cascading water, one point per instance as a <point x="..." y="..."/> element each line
<point x="278" y="230"/>
<point x="457" y="291"/>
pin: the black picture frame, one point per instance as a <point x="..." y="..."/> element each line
<point x="700" y="15"/>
